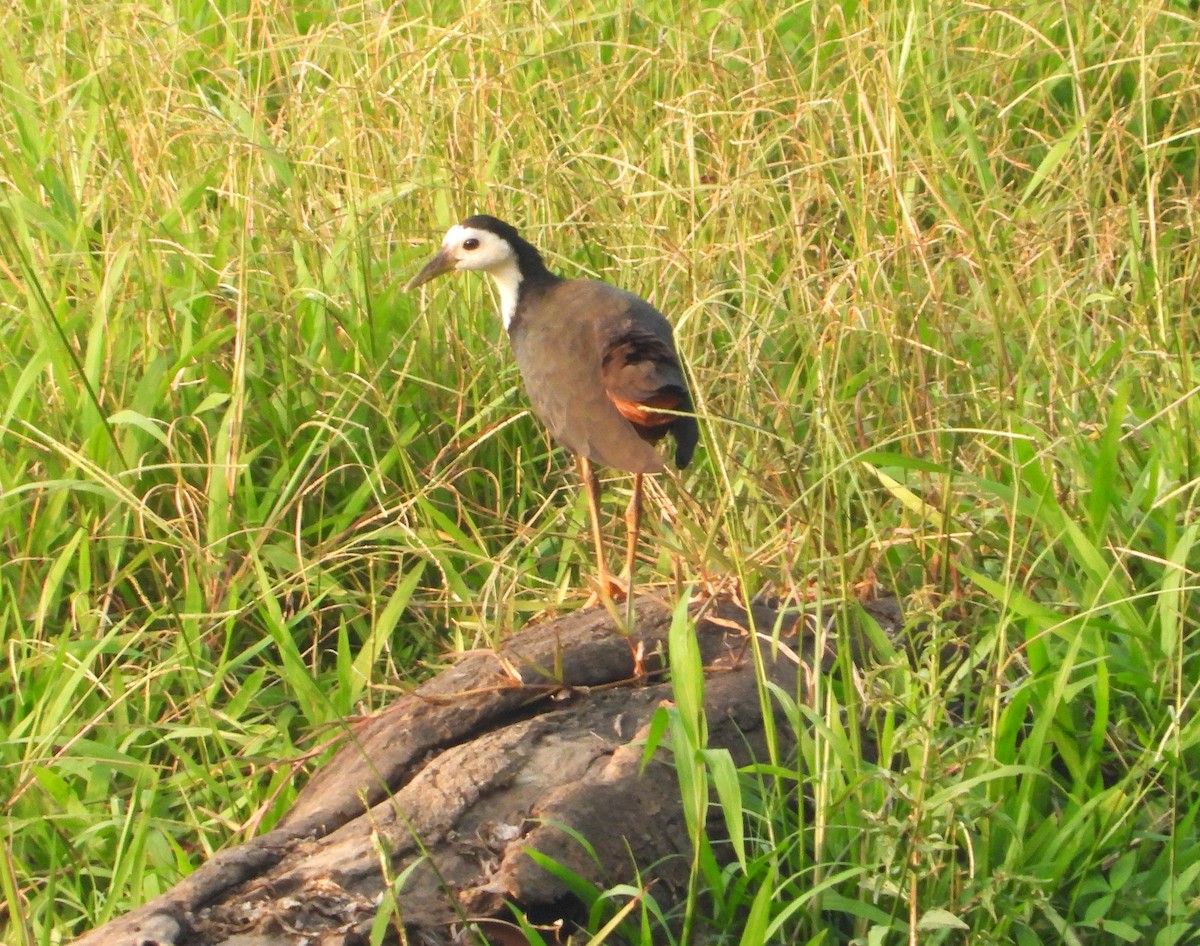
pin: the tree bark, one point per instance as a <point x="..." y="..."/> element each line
<point x="534" y="746"/>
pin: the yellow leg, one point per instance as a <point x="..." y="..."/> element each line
<point x="633" y="527"/>
<point x="592" y="482"/>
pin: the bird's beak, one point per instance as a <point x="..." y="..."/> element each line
<point x="442" y="263"/>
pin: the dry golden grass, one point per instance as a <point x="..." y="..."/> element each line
<point x="933" y="269"/>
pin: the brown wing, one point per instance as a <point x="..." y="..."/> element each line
<point x="641" y="374"/>
<point x="643" y="379"/>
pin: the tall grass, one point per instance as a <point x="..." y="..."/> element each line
<point x="933" y="268"/>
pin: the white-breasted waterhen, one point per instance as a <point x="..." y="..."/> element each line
<point x="599" y="364"/>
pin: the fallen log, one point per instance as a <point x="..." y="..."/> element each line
<point x="532" y="746"/>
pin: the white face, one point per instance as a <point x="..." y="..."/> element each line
<point x="476" y="249"/>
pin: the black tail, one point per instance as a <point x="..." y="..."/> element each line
<point x="687" y="435"/>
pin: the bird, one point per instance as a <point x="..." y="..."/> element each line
<point x="599" y="364"/>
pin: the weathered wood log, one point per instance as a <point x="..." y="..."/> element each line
<point x="524" y="748"/>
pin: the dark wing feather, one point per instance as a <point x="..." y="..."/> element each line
<point x="643" y="378"/>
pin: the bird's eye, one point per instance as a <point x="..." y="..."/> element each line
<point x="471" y="244"/>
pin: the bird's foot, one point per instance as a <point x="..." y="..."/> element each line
<point x="607" y="588"/>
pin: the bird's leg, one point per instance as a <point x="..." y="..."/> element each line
<point x="592" y="482"/>
<point x="633" y="526"/>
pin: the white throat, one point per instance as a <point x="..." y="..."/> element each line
<point x="508" y="283"/>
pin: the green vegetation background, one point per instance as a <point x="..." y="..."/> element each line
<point x="934" y="267"/>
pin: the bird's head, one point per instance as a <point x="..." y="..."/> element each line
<point x="479" y="242"/>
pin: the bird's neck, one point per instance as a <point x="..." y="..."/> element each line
<point x="508" y="279"/>
<point x="518" y="278"/>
